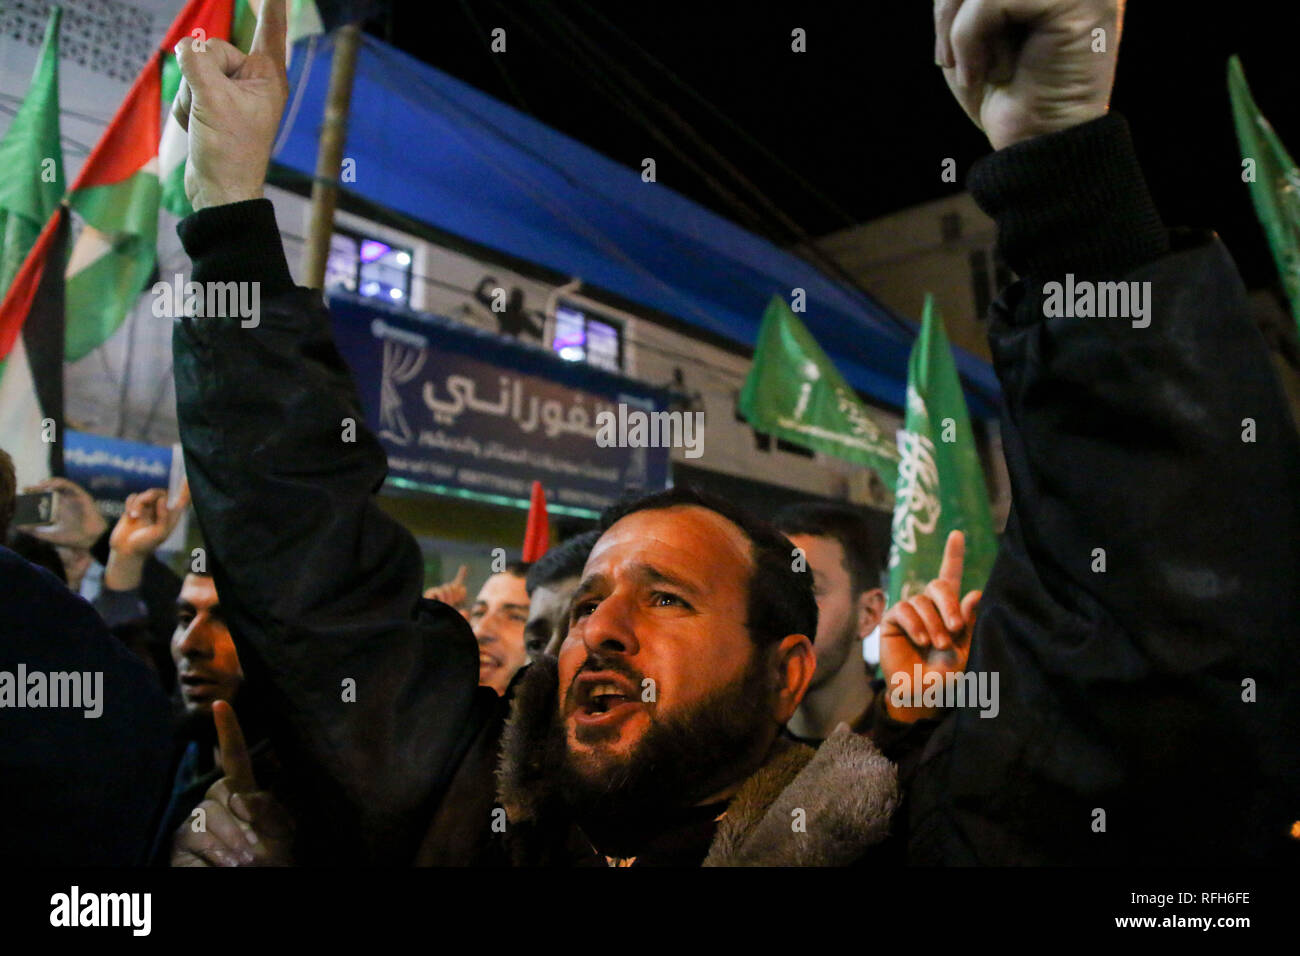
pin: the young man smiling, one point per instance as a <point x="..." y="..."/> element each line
<point x="497" y="617"/>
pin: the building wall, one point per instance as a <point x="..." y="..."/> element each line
<point x="443" y="283"/>
<point x="946" y="248"/>
<point x="125" y="389"/>
<point x="926" y="248"/>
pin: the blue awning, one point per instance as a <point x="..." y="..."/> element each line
<point x="439" y="151"/>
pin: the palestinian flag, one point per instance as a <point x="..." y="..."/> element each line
<point x="137" y="168"/>
<point x="119" y="192"/>
<point x="31" y="353"/>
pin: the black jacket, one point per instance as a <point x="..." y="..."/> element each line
<point x="1121" y="690"/>
<point x="75" y="790"/>
<point x="1122" y="697"/>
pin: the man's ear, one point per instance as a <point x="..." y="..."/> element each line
<point x="795" y="663"/>
<point x="871" y="608"/>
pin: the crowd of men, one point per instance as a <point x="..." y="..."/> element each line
<point x="174" y="626"/>
<point x="686" y="684"/>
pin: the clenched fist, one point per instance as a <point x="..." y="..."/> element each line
<point x="1023" y="68"/>
<point x="230" y="105"/>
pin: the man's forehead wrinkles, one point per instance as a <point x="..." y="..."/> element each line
<point x="644" y="572"/>
<point x="694" y="558"/>
<point x="704" y="520"/>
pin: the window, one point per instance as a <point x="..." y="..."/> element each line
<point x="341" y="266"/>
<point x="581" y="338"/>
<point x="368" y="266"/>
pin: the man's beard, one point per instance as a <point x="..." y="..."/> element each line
<point x="830" y="661"/>
<point x="679" y="761"/>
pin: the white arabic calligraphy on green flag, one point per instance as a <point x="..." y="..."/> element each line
<point x="795" y="393"/>
<point x="940" y="486"/>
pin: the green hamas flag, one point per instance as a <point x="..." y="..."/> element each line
<point x="31" y="159"/>
<point x="794" y="392"/>
<point x="940" y="485"/>
<point x="1274" y="182"/>
<point x="31" y="156"/>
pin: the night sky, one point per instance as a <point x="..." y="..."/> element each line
<point x="856" y="127"/>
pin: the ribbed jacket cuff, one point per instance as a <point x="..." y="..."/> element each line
<point x="237" y="242"/>
<point x="1071" y="201"/>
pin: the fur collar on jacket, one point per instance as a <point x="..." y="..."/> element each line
<point x="846" y="789"/>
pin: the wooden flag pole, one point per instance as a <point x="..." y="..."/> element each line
<point x="329" y="156"/>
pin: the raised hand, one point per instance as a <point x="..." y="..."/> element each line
<point x="242" y="826"/>
<point x="147" y="520"/>
<point x="1022" y="68"/>
<point x="932" y="629"/>
<point x="451" y="592"/>
<point x="230" y="104"/>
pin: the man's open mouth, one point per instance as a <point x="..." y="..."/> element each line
<point x="602" y="698"/>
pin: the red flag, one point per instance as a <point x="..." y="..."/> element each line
<point x="537" y="538"/>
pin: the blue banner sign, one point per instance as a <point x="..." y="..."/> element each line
<point x="459" y="410"/>
<point x="114" y="467"/>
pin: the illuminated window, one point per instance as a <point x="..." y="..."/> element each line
<point x="581" y="338"/>
<point x="368" y="266"/>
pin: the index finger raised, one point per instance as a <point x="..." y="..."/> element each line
<point x="272" y="29"/>
<point x="236" y="764"/>
<point x="954" y="555"/>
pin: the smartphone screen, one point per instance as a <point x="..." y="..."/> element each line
<point x="35" y="508"/>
